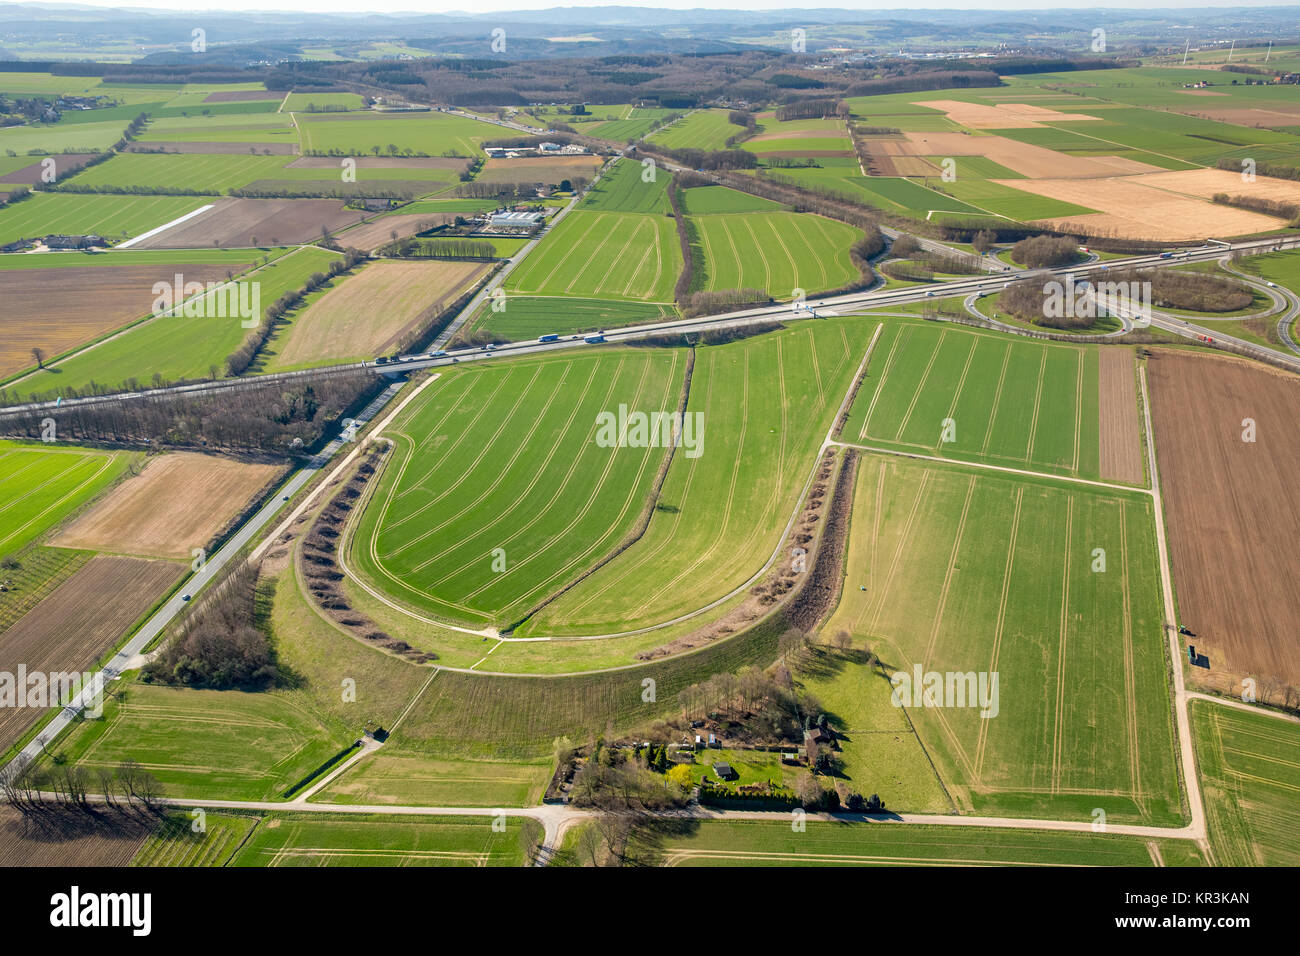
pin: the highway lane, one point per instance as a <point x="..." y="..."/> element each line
<point x="822" y="307"/>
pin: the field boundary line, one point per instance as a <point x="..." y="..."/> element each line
<point x="411" y="703"/>
<point x="1028" y="473"/>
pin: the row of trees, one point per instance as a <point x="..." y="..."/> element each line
<point x="34" y="791"/>
<point x="1269" y="207"/>
<point x="813" y="109"/>
<point x="270" y="417"/>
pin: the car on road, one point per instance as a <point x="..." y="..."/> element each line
<point x="185" y="597"/>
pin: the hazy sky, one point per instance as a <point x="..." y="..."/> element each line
<point x="486" y="6"/>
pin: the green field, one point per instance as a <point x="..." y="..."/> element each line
<point x="16" y="261"/>
<point x="416" y="779"/>
<point x="776" y="251"/>
<point x="177" y="346"/>
<point x="305" y="102"/>
<point x="505" y="457"/>
<point x="702" y="129"/>
<point x="113" y="217"/>
<point x="703" y="200"/>
<point x="436" y="134"/>
<point x="87" y="137"/>
<point x="256" y="129"/>
<point x="40" y="485"/>
<point x="1280" y="267"/>
<point x="300" y="839"/>
<point x="210" y="172"/>
<point x="627" y="186"/>
<point x="1010" y="402"/>
<point x="1250" y="782"/>
<point x="603" y="255"/>
<point x="528" y="317"/>
<point x="766" y="403"/>
<point x="177" y="843"/>
<point x="956" y="569"/>
<point x="208" y="743"/>
<point x="760" y="843"/>
<point x="633" y="125"/>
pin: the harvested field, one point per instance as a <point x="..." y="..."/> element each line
<point x="1283" y="114"/>
<point x="911" y="166"/>
<point x="344" y="322"/>
<point x="1002" y="116"/>
<point x="238" y="222"/>
<point x="1136" y="210"/>
<point x="538" y="169"/>
<point x="1204" y="183"/>
<point x="261" y="149"/>
<point x="1121" y="446"/>
<point x="371" y="235"/>
<point x="381" y="162"/>
<point x="58" y="309"/>
<point x="1232" y="512"/>
<point x="241" y="96"/>
<point x="63" y="165"/>
<point x="180" y="501"/>
<point x="77" y="623"/>
<point x="1024" y="158"/>
<point x="70" y="838"/>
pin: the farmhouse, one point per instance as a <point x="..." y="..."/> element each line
<point x="74" y="242"/>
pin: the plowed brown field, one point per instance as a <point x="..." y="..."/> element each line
<point x="178" y="503"/>
<point x="237" y="222"/>
<point x="1232" y="511"/>
<point x="1121" y="448"/>
<point x="70" y="839"/>
<point x="58" y="309"/>
<point x="77" y="622"/>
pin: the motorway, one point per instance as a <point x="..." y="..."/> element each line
<point x="853" y="302"/>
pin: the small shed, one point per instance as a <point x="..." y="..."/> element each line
<point x="724" y="771"/>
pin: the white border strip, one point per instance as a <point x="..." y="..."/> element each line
<point x="163" y="228"/>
